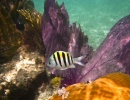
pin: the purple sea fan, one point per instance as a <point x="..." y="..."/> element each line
<point x="55" y="26"/>
<point x="113" y="55"/>
<point x="77" y="47"/>
<point x="58" y="35"/>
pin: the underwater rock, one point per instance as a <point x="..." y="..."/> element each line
<point x="58" y="35"/>
<point x="113" y="55"/>
<point x="110" y="87"/>
<point x="10" y="36"/>
<point x="46" y="91"/>
<point x="20" y="77"/>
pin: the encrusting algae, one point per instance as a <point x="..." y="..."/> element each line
<point x="21" y="74"/>
<point x="115" y="86"/>
<point x="55" y="82"/>
<point x="10" y="36"/>
<point x="50" y="89"/>
<point x="21" y="68"/>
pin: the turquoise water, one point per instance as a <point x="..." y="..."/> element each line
<point x="95" y="17"/>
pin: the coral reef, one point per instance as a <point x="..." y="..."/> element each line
<point x="12" y="6"/>
<point x="58" y="35"/>
<point x="55" y="25"/>
<point x="110" y="87"/>
<point x="32" y="17"/>
<point x="51" y="89"/>
<point x="113" y="55"/>
<point x="10" y="36"/>
<point x="55" y="82"/>
<point x="22" y="71"/>
<point x="50" y="32"/>
<point x="15" y="5"/>
<point x="32" y="36"/>
<point x="22" y="75"/>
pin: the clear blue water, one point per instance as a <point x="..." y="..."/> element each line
<point x="96" y="17"/>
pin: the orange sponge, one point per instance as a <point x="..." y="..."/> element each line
<point x="115" y="86"/>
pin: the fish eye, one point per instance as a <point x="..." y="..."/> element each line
<point x="49" y="62"/>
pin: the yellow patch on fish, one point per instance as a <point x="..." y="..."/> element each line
<point x="60" y="53"/>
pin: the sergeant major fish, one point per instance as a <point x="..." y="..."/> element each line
<point x="63" y="60"/>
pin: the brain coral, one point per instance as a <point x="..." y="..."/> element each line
<point x="115" y="86"/>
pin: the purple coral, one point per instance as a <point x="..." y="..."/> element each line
<point x="58" y="35"/>
<point x="55" y="25"/>
<point x="113" y="55"/>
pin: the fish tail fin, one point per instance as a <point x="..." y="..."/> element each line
<point x="78" y="60"/>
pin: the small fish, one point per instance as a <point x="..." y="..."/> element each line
<point x="63" y="60"/>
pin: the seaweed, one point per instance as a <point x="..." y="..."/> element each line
<point x="33" y="18"/>
<point x="32" y="36"/>
<point x="10" y="36"/>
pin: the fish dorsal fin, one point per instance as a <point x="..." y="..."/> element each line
<point x="79" y="63"/>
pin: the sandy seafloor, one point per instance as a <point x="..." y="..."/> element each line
<point x="96" y="17"/>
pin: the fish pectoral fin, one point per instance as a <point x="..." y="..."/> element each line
<point x="78" y="59"/>
<point x="72" y="66"/>
<point x="63" y="68"/>
<point x="79" y="63"/>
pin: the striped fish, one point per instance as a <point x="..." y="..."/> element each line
<point x="63" y="60"/>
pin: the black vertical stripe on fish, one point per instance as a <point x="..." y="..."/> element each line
<point x="59" y="59"/>
<point x="55" y="58"/>
<point x="68" y="58"/>
<point x="71" y="59"/>
<point x="63" y="54"/>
